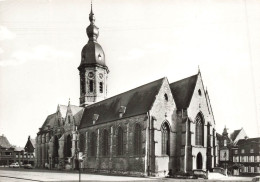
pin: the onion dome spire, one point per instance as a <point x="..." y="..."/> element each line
<point x="92" y="29"/>
<point x="92" y="53"/>
<point x="91" y="16"/>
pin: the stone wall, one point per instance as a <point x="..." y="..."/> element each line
<point x="128" y="163"/>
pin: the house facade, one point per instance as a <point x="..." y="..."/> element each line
<point x="246" y="156"/>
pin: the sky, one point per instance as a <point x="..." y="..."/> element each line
<point x="144" y="40"/>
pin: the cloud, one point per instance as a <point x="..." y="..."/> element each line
<point x="1" y="51"/>
<point x="39" y="53"/>
<point x="6" y="34"/>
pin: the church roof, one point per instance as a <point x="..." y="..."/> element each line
<point x="50" y="120"/>
<point x="182" y="91"/>
<point x="4" y="143"/>
<point x="77" y="113"/>
<point x="136" y="101"/>
<point x="248" y="141"/>
<point x="234" y="134"/>
<point x="63" y="110"/>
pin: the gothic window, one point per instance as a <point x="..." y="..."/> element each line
<point x="82" y="139"/>
<point x="91" y="85"/>
<point x="101" y="87"/>
<point x="105" y="146"/>
<point x="56" y="147"/>
<point x="120" y="141"/>
<point x="199" y="130"/>
<point x="69" y="146"/>
<point x="93" y="140"/>
<point x="69" y="118"/>
<point x="137" y="140"/>
<point x="165" y="139"/>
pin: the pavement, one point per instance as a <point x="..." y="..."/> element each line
<point x="27" y="175"/>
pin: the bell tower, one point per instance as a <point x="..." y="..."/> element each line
<point x="92" y="69"/>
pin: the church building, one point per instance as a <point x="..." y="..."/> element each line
<point x="152" y="130"/>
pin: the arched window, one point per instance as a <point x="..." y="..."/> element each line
<point x="165" y="139"/>
<point x="91" y="85"/>
<point x="199" y="130"/>
<point x="93" y="143"/>
<point x="120" y="141"/>
<point x="56" y="148"/>
<point x="137" y="140"/>
<point x="166" y="97"/>
<point x="69" y="146"/>
<point x="82" y="141"/>
<point x="199" y="92"/>
<point x="105" y="147"/>
<point x="101" y="87"/>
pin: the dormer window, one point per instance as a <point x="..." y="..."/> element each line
<point x="122" y="111"/>
<point x="99" y="57"/>
<point x="95" y="118"/>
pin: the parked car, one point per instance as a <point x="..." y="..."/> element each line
<point x="256" y="179"/>
<point x="27" y="166"/>
<point x="14" y="165"/>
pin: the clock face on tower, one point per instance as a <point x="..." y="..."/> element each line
<point x="90" y="75"/>
<point x="100" y="75"/>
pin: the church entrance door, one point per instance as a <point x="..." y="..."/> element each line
<point x="199" y="161"/>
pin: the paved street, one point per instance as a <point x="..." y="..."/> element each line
<point x="23" y="175"/>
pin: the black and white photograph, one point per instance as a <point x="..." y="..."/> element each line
<point x="129" y="90"/>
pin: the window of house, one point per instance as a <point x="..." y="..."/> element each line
<point x="165" y="139"/>
<point x="236" y="152"/>
<point x="93" y="144"/>
<point x="245" y="169"/>
<point x="16" y="156"/>
<point x="252" y="170"/>
<point x="199" y="130"/>
<point x="91" y="85"/>
<point x="258" y="169"/>
<point x="120" y="141"/>
<point x="251" y="150"/>
<point x="166" y="97"/>
<point x="251" y="159"/>
<point x="242" y="151"/>
<point x="257" y="159"/>
<point x="101" y="87"/>
<point x="245" y="158"/>
<point x="105" y="147"/>
<point x="235" y="158"/>
<point x="225" y="142"/>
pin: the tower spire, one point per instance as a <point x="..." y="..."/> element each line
<point x="91" y="15"/>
